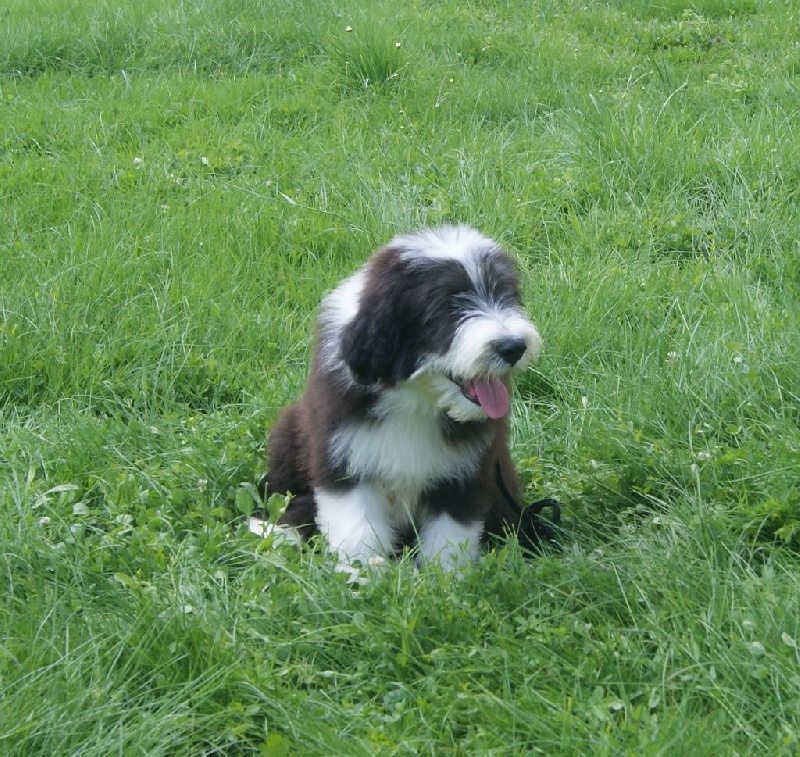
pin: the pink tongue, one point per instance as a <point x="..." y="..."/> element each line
<point x="492" y="396"/>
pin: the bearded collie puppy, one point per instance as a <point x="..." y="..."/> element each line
<point x="401" y="436"/>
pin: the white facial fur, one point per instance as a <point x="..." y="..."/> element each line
<point x="471" y="356"/>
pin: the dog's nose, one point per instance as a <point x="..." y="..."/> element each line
<point x="511" y="349"/>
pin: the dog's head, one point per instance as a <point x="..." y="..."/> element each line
<point x="441" y="310"/>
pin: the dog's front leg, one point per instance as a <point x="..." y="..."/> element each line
<point x="357" y="522"/>
<point x="451" y="541"/>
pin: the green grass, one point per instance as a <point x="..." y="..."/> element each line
<point x="179" y="184"/>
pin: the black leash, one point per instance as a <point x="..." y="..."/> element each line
<point x="533" y="531"/>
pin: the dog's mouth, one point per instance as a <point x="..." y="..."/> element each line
<point x="490" y="394"/>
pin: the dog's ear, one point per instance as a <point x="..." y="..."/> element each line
<point x="380" y="344"/>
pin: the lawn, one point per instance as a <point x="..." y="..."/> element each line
<point x="180" y="182"/>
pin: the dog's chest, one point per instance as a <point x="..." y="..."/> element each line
<point x="407" y="452"/>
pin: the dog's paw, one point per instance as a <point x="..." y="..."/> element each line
<point x="279" y="534"/>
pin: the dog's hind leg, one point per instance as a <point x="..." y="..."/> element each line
<point x="287" y="468"/>
<point x="288" y="474"/>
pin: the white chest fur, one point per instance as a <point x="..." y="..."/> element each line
<point x="403" y="448"/>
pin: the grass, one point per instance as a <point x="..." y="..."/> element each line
<point x="179" y="184"/>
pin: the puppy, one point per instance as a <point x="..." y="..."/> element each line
<point x="401" y="436"/>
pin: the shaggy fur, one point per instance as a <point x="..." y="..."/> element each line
<point x="404" y="419"/>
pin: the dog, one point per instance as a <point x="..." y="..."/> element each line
<point x="401" y="436"/>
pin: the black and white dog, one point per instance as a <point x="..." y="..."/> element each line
<point x="402" y="431"/>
